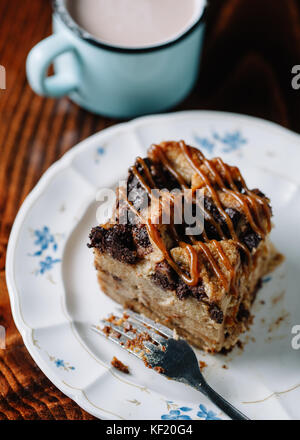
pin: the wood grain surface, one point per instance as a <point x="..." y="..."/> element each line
<point x="250" y="48"/>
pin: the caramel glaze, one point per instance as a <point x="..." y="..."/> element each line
<point x="248" y="201"/>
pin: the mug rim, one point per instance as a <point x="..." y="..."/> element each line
<point x="61" y="11"/>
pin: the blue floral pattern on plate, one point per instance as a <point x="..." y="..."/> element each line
<point x="44" y="240"/>
<point x="205" y="143"/>
<point x="225" y="143"/>
<point x="100" y="151"/>
<point x="47" y="264"/>
<point x="60" y="363"/>
<point x="205" y="414"/>
<point x="175" y="414"/>
<point x="180" y="413"/>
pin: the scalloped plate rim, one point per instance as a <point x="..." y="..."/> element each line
<point x="34" y="194"/>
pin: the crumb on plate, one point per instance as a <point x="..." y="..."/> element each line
<point x="202" y="365"/>
<point x="116" y="363"/>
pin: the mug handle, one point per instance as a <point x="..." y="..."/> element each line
<point x="41" y="57"/>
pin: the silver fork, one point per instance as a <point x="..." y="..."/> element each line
<point x="171" y="357"/>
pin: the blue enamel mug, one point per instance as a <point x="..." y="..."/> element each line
<point x="115" y="81"/>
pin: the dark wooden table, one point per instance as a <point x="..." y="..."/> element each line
<point x="250" y="48"/>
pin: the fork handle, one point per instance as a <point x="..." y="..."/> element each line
<point x="220" y="402"/>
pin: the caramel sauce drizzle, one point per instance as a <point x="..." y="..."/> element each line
<point x="258" y="199"/>
<point x="207" y="252"/>
<point x="142" y="163"/>
<point x="188" y="154"/>
<point x="157" y="239"/>
<point x="239" y="197"/>
<point x="156" y="150"/>
<point x="248" y="201"/>
<point x="227" y="264"/>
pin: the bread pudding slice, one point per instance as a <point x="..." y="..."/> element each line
<point x="201" y="284"/>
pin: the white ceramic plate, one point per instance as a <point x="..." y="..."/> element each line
<point x="55" y="296"/>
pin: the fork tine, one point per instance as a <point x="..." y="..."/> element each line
<point x="136" y="326"/>
<point x="140" y="329"/>
<point x="119" y="329"/>
<point x="128" y="335"/>
<point x="151" y="348"/>
<point x="186" y="367"/>
<point x="155" y="336"/>
<point x="121" y="342"/>
<point x="143" y="320"/>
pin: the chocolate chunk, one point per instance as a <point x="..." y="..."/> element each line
<point x="96" y="237"/>
<point x="250" y="238"/>
<point x="164" y="276"/>
<point x="234" y="215"/>
<point x="136" y="194"/>
<point x="213" y="210"/>
<point x="162" y="177"/>
<point x="216" y="313"/>
<point x="243" y="313"/>
<point x="239" y="186"/>
<point x="117" y="241"/>
<point x="140" y="168"/>
<point x="258" y="192"/>
<point x="244" y="257"/>
<point x="183" y="290"/>
<point x="210" y="229"/>
<point x="141" y="237"/>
